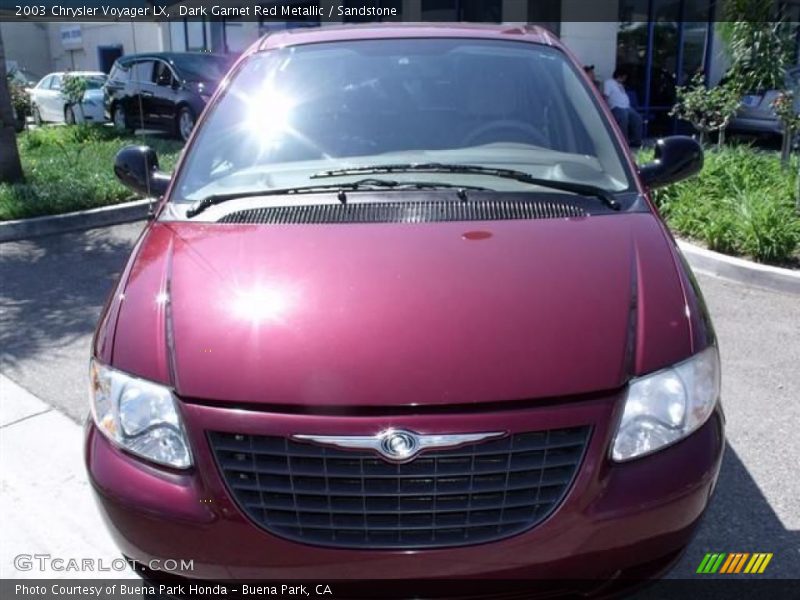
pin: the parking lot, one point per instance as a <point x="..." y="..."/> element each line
<point x="53" y="288"/>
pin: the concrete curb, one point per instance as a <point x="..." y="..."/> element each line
<point x="739" y="270"/>
<point x="83" y="219"/>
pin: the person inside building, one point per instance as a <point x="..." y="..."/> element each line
<point x="630" y="122"/>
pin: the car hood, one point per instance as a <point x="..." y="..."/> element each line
<point x="402" y="315"/>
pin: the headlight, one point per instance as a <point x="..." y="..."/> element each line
<point x="139" y="416"/>
<point x="664" y="407"/>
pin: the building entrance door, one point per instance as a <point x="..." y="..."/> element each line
<point x="106" y="55"/>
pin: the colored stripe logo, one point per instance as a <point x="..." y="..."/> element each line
<point x="734" y="563"/>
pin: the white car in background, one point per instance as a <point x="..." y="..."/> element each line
<point x="50" y="105"/>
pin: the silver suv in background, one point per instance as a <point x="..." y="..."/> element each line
<point x="756" y="115"/>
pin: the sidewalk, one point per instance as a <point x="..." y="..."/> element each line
<point x="46" y="504"/>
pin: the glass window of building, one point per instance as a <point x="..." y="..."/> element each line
<point x="487" y="11"/>
<point x="662" y="44"/>
<point x="236" y="38"/>
<point x="195" y="35"/>
<point x="397" y="5"/>
<point x="177" y="35"/>
<point x="545" y="13"/>
<point x="266" y="25"/>
<point x="439" y="10"/>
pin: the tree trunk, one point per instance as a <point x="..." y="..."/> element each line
<point x="798" y="187"/>
<point x="786" y="146"/>
<point x="10" y="166"/>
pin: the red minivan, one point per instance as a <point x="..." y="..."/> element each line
<point x="406" y="311"/>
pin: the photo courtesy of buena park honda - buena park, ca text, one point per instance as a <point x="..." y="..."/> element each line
<point x="400" y="299"/>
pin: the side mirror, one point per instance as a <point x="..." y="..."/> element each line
<point x="676" y="158"/>
<point x="137" y="168"/>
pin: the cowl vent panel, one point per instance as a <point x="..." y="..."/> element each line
<point x="404" y="212"/>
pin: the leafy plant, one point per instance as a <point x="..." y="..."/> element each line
<point x="741" y="203"/>
<point x="760" y="49"/>
<point x="786" y="106"/>
<point x="73" y="89"/>
<point x="768" y="230"/>
<point x="707" y="109"/>
<point x="20" y="99"/>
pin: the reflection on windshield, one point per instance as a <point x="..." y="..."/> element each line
<point x="293" y="112"/>
<point x="269" y="113"/>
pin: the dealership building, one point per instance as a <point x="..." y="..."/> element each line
<point x="662" y="42"/>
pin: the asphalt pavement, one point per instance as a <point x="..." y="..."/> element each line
<point x="53" y="288"/>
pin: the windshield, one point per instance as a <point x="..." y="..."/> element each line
<point x="205" y="67"/>
<point x="291" y="113"/>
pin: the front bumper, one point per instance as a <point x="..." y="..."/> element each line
<point x="616" y="519"/>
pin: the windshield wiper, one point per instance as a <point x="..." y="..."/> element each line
<point x="435" y="167"/>
<point x="362" y="184"/>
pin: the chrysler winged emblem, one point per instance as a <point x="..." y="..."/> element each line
<point x="398" y="445"/>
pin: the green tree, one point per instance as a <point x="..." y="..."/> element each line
<point x="707" y="109"/>
<point x="787" y="107"/>
<point x="759" y="48"/>
<point x="73" y="89"/>
<point x="10" y="165"/>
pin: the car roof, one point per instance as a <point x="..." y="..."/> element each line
<point x="81" y="73"/>
<point x="379" y="31"/>
<point x="168" y="56"/>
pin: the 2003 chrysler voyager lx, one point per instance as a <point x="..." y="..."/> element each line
<point x="406" y="310"/>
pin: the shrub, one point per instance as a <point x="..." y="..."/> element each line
<point x="20" y="99"/>
<point x="742" y="203"/>
<point x="73" y="89"/>
<point x="67" y="139"/>
<point x="787" y="108"/>
<point x="707" y="109"/>
<point x="769" y="229"/>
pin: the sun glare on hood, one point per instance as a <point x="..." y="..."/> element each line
<point x="261" y="304"/>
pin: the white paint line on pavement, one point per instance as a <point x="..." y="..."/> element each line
<point x="46" y="503"/>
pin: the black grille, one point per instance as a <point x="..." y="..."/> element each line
<point x="331" y="497"/>
<point x="405" y="212"/>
